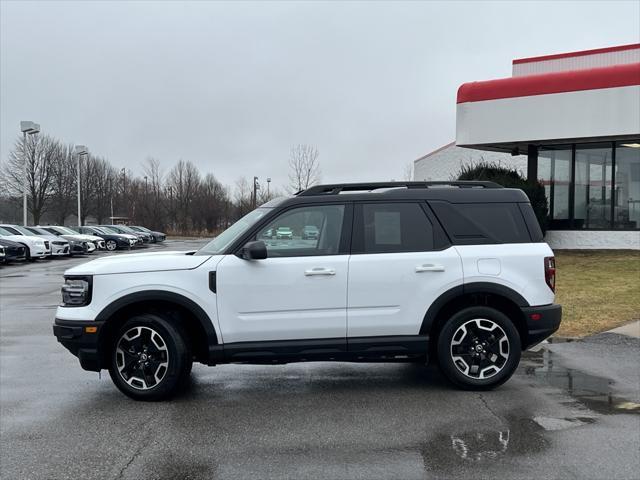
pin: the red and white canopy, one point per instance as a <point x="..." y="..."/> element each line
<point x="576" y="96"/>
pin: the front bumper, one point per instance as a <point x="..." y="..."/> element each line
<point x="73" y="335"/>
<point x="59" y="250"/>
<point x="542" y="322"/>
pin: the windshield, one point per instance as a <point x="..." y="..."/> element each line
<point x="38" y="231"/>
<point x="66" y="231"/>
<point x="23" y="230"/>
<point x="126" y="229"/>
<point x="5" y="232"/>
<point x="109" y="230"/>
<point x="98" y="229"/>
<point x="142" y="229"/>
<point x="226" y="238"/>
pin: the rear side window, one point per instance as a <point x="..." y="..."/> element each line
<point x="482" y="223"/>
<point x="391" y="228"/>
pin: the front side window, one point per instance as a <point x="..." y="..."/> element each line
<point x="391" y="228"/>
<point x="304" y="231"/>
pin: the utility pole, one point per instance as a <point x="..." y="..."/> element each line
<point x="26" y="128"/>
<point x="80" y="150"/>
<point x="255" y="192"/>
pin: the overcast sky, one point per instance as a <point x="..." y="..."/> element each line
<point x="232" y="86"/>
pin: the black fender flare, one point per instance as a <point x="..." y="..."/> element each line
<point x="162" y="295"/>
<point x="465" y="289"/>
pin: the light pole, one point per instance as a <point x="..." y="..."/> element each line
<point x="268" y="183"/>
<point x="79" y="150"/>
<point x="256" y="186"/>
<point x="30" y="128"/>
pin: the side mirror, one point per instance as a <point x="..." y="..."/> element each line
<point x="254" y="251"/>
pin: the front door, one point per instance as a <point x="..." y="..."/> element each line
<point x="299" y="291"/>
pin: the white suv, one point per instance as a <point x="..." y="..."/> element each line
<point x="398" y="272"/>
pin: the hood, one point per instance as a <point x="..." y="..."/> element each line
<point x="81" y="237"/>
<point x="140" y="262"/>
<point x="77" y="238"/>
<point x="4" y="241"/>
<point x="52" y="238"/>
<point x="91" y="238"/>
<point x="24" y="239"/>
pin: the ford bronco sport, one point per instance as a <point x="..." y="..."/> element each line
<point x="399" y="272"/>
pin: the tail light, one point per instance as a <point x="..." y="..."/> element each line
<point x="550" y="272"/>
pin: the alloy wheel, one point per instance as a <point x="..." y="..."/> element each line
<point x="479" y="348"/>
<point x="142" y="357"/>
<point x="111" y="245"/>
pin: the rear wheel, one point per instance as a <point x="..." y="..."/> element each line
<point x="150" y="358"/>
<point x="479" y="348"/>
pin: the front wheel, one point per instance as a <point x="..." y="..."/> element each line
<point x="150" y="358"/>
<point x="111" y="245"/>
<point x="479" y="348"/>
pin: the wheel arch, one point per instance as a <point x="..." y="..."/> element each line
<point x="493" y="295"/>
<point x="173" y="306"/>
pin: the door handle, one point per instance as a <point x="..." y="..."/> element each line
<point x="429" y="267"/>
<point x="319" y="271"/>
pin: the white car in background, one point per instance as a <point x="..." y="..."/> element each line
<point x="93" y="242"/>
<point x="59" y="246"/>
<point x="36" y="247"/>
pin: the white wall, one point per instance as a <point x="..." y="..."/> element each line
<point x="445" y="164"/>
<point x="578" y="239"/>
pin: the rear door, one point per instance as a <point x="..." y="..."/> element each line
<point x="401" y="262"/>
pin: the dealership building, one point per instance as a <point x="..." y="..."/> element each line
<point x="571" y="120"/>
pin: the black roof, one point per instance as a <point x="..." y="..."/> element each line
<point x="454" y="192"/>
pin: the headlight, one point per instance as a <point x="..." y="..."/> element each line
<point x="39" y="243"/>
<point x="76" y="291"/>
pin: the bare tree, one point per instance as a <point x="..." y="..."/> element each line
<point x="153" y="208"/>
<point x="63" y="185"/>
<point x="407" y="172"/>
<point x="243" y="196"/>
<point x="184" y="179"/>
<point x="304" y="167"/>
<point x="39" y="151"/>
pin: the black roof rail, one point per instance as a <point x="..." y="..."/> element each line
<point x="334" y="189"/>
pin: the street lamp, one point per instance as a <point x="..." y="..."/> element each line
<point x="268" y="183"/>
<point x="80" y="150"/>
<point x="26" y="128"/>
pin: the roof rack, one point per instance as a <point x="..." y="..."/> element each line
<point x="334" y="189"/>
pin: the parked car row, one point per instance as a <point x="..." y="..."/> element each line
<point x="34" y="242"/>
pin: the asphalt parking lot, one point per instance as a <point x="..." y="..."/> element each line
<point x="571" y="411"/>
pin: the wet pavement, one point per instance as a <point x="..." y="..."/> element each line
<point x="571" y="411"/>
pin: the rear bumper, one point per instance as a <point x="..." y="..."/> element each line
<point x="542" y="322"/>
<point x="74" y="337"/>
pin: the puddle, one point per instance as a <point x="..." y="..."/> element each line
<point x="596" y="393"/>
<point x="513" y="437"/>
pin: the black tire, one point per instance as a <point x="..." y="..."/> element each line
<point x="479" y="362"/>
<point x="27" y="253"/>
<point x="111" y="245"/>
<point x="171" y="366"/>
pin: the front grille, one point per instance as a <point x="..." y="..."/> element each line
<point x="59" y="243"/>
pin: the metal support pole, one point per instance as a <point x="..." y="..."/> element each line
<point x="79" y="218"/>
<point x="24" y="179"/>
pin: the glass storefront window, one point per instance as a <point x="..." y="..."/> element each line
<point x="554" y="169"/>
<point x="627" y="186"/>
<point x="592" y="195"/>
